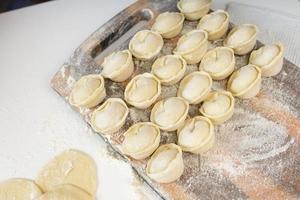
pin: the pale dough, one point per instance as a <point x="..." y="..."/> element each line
<point x="162" y="160"/>
<point x="244" y="78"/>
<point x="266" y="55"/>
<point x="213" y="22"/>
<point x="190" y="42"/>
<point x="70" y="167"/>
<point x="192" y="5"/>
<point x="66" y="192"/>
<point x="241" y="35"/>
<point x="167" y="21"/>
<point x="19" y="189"/>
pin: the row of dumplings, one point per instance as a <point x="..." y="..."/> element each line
<point x="196" y="134"/>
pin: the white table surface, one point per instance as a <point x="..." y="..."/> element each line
<point x="35" y="123"/>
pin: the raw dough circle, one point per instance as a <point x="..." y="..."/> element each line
<point x="19" y="189"/>
<point x="70" y="167"/>
<point x="66" y="192"/>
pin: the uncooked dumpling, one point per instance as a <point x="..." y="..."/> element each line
<point x="194" y="9"/>
<point x="192" y="46"/>
<point x="142" y="90"/>
<point x="215" y="23"/>
<point x="197" y="135"/>
<point x="190" y="42"/>
<point x="88" y="91"/>
<point x="246" y="76"/>
<point x="19" y="189"/>
<point x="195" y="87"/>
<point x="242" y="39"/>
<point x="245" y="82"/>
<point x="218" y="106"/>
<point x="166" y="164"/>
<point x="118" y="66"/>
<point x="66" y="192"/>
<point x="170" y="113"/>
<point x="169" y="69"/>
<point x="146" y="44"/>
<point x="141" y="140"/>
<point x="168" y="24"/>
<point x="193" y="134"/>
<point x="266" y="55"/>
<point x="70" y="167"/>
<point x="269" y="58"/>
<point x="162" y="160"/>
<point x="218" y="62"/>
<point x="240" y="36"/>
<point x="110" y="116"/>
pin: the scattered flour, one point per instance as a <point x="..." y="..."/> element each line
<point x="247" y="139"/>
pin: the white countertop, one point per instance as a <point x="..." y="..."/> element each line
<point x="35" y="123"/>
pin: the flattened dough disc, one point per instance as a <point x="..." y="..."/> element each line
<point x="70" y="167"/>
<point x="19" y="189"/>
<point x="66" y="192"/>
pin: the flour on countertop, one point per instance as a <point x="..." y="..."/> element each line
<point x="252" y="138"/>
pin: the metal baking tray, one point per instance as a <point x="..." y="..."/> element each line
<point x="257" y="152"/>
